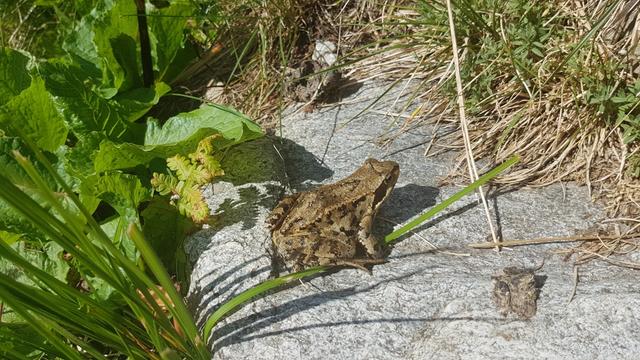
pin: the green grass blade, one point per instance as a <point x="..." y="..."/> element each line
<point x="179" y="309"/>
<point x="66" y="313"/>
<point x="117" y="271"/>
<point x="249" y="294"/>
<point x="46" y="333"/>
<point x="455" y="197"/>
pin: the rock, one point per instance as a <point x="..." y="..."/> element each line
<point x="424" y="303"/>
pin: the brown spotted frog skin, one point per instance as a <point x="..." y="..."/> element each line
<point x="331" y="225"/>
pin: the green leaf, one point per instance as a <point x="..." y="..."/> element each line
<point x="20" y="339"/>
<point x="33" y="114"/>
<point x="231" y="124"/>
<point x="14" y="76"/>
<point x="10" y="220"/>
<point x="84" y="109"/>
<point x="113" y="156"/>
<point x="167" y="26"/>
<point x="9" y="238"/>
<point x="537" y="51"/>
<point x="46" y="256"/>
<point x="70" y="319"/>
<point x="135" y="103"/>
<point x="79" y="159"/>
<point x="126" y="54"/>
<point x="179" y="135"/>
<point x="123" y="192"/>
<point x="107" y="38"/>
<point x="116" y="229"/>
<point x="166" y="230"/>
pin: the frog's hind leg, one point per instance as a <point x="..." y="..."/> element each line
<point x="338" y="249"/>
<point x="360" y="264"/>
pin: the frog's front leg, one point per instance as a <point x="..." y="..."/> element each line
<point x="371" y="244"/>
<point x="279" y="213"/>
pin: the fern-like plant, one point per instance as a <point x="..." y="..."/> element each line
<point x="186" y="176"/>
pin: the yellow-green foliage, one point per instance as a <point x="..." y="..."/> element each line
<point x="185" y="177"/>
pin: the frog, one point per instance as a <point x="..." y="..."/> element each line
<point x="331" y="225"/>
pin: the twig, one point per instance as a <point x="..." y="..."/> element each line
<point x="575" y="284"/>
<point x="473" y="171"/>
<point x="549" y="240"/>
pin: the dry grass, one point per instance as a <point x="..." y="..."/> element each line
<point x="558" y="135"/>
<point x="249" y="71"/>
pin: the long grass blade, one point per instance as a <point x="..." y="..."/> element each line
<point x="455" y="197"/>
<point x="242" y="298"/>
<point x="174" y="304"/>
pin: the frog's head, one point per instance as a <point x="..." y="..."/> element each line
<point x="386" y="175"/>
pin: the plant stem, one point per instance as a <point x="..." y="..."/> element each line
<point x="145" y="45"/>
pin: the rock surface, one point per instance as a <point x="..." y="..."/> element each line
<point x="424" y="303"/>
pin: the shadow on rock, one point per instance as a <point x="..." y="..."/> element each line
<point x="447" y="214"/>
<point x="408" y="201"/>
<point x="202" y="296"/>
<point x="239" y="330"/>
<point x="246" y="208"/>
<point x="343" y="89"/>
<point x="301" y="166"/>
<point x="404" y="203"/>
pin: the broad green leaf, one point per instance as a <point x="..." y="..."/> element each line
<point x="14" y="76"/>
<point x="9" y="238"/>
<point x="115" y="36"/>
<point x="135" y="103"/>
<point x="10" y="220"/>
<point x="166" y="230"/>
<point x="113" y="156"/>
<point x="181" y="61"/>
<point x="116" y="229"/>
<point x="84" y="109"/>
<point x="167" y="26"/>
<point x="123" y="192"/>
<point x="9" y="168"/>
<point x="47" y="256"/>
<point x="126" y="54"/>
<point x="179" y="135"/>
<point x="80" y="44"/>
<point x="107" y="37"/>
<point x="35" y="115"/>
<point x="79" y="158"/>
<point x="228" y="122"/>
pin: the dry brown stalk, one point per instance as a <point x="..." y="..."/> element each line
<point x="549" y="240"/>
